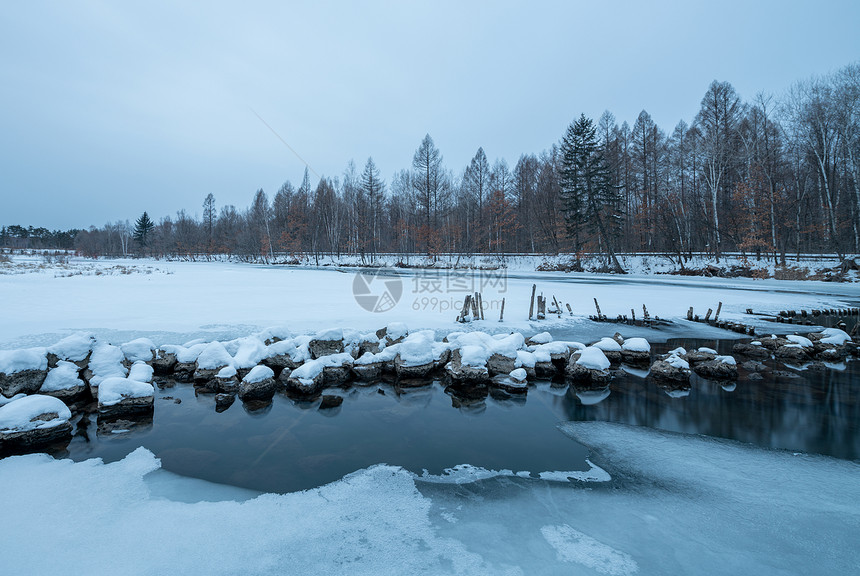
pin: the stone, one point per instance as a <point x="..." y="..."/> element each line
<point x="418" y="371"/>
<point x="184" y="371"/>
<point x="793" y="354"/>
<point x="755" y="376"/>
<point x="257" y="388"/>
<point x="465" y="374"/>
<point x="499" y="364"/>
<point x="33" y="421"/>
<point x="26" y="381"/>
<point x="336" y="375"/>
<point x="666" y="372"/>
<point x="751" y="350"/>
<point x="545" y="370"/>
<point x="305" y="386"/>
<point x="224" y="401"/>
<point x="635" y="357"/>
<point x="695" y="357"/>
<point x="319" y="348"/>
<point x="583" y="375"/>
<point x="716" y="370"/>
<point x="509" y="384"/>
<point x="330" y="401"/>
<point x="367" y="372"/>
<point x="164" y="362"/>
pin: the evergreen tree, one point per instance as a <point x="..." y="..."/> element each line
<point x="589" y="200"/>
<point x="142" y="228"/>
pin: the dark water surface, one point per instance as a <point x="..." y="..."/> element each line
<point x="291" y="445"/>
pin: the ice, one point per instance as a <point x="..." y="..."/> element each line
<point x="636" y="345"/>
<point x="213" y="356"/>
<point x="834" y="336"/>
<point x="138" y="349"/>
<point x="73" y="348"/>
<point x="113" y="390"/>
<point x="13" y="361"/>
<point x="22" y="414"/>
<point x="140" y="371"/>
<point x="258" y="374"/>
<point x="574" y="546"/>
<point x="608" y="345"/>
<point x="62" y="377"/>
<point x="106" y="362"/>
<point x="593" y="358"/>
<point x="804" y="342"/>
<point x="518" y="374"/>
<point x="373" y="522"/>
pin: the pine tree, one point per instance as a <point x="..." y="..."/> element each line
<point x="142" y="227"/>
<point x="589" y="200"/>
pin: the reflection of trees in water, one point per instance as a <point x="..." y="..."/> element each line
<point x="817" y="412"/>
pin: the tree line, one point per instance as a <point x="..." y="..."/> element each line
<point x="766" y="177"/>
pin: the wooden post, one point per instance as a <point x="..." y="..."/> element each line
<point x="708" y="315"/>
<point x="541" y="313"/>
<point x="645" y="312"/>
<point x="569" y="309"/>
<point x="475" y="314"/>
<point x="466" y="304"/>
<point x="596" y="305"/>
<point x="719" y="307"/>
<point x="502" y="313"/>
<point x="690" y="313"/>
<point x="532" y="305"/>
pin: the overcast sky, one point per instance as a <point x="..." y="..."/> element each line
<point x="113" y="108"/>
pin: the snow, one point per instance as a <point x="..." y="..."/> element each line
<point x="258" y="374"/>
<point x="804" y="342"/>
<point x="541" y="338"/>
<point x="636" y="345"/>
<point x="707" y="350"/>
<point x="227" y="372"/>
<point x="475" y="356"/>
<point x="185" y="354"/>
<point x="679" y="351"/>
<point x="573" y="546"/>
<point x="74" y="347"/>
<point x="13" y="361"/>
<point x="608" y="345"/>
<point x="140" y="371"/>
<point x="593" y="358"/>
<point x="726" y="360"/>
<point x="138" y="349"/>
<point x="518" y="374"/>
<point x="21" y="415"/>
<point x="113" y="390"/>
<point x="223" y="301"/>
<point x="106" y="362"/>
<point x="62" y="377"/>
<point x="525" y="358"/>
<point x="329" y="334"/>
<point x="835" y="336"/>
<point x="251" y="351"/>
<point x="307" y="372"/>
<point x="416" y="349"/>
<point x="4" y="400"/>
<point x="677" y="362"/>
<point x="214" y="355"/>
<point x="396" y="330"/>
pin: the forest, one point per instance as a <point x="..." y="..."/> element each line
<point x="768" y="177"/>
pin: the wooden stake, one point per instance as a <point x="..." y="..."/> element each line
<point x="708" y="315"/>
<point x="719" y="307"/>
<point x="532" y="305"/>
<point x="466" y="303"/>
<point x="690" y="313"/>
<point x="596" y="305"/>
<point x="569" y="309"/>
<point x="502" y="313"/>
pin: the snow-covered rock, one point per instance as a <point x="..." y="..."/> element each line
<point x="326" y="343"/>
<point x="394" y="333"/>
<point x="22" y="370"/>
<point x="63" y="381"/>
<point x="588" y="365"/>
<point x="308" y="378"/>
<point x="141" y="349"/>
<point x="539" y="338"/>
<point x="834" y="336"/>
<point x="672" y="368"/>
<point x="33" y="420"/>
<point x="74" y="348"/>
<point x="794" y="353"/>
<point x="106" y="362"/>
<point x="258" y="384"/>
<point x="720" y="368"/>
<point x="751" y="350"/>
<point x="121" y="395"/>
<point x="611" y="349"/>
<point x="803" y="341"/>
<point x="465" y="366"/>
<point x="211" y="360"/>
<point x="140" y="371"/>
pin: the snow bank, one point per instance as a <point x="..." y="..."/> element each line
<point x="593" y="358"/>
<point x="73" y="348"/>
<point x="138" y="349"/>
<point x="63" y="377"/>
<point x="22" y="415"/>
<point x="636" y="345"/>
<point x="13" y="361"/>
<point x="258" y="374"/>
<point x="113" y="390"/>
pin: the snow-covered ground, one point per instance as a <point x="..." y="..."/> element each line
<point x="676" y="504"/>
<point x="173" y="302"/>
